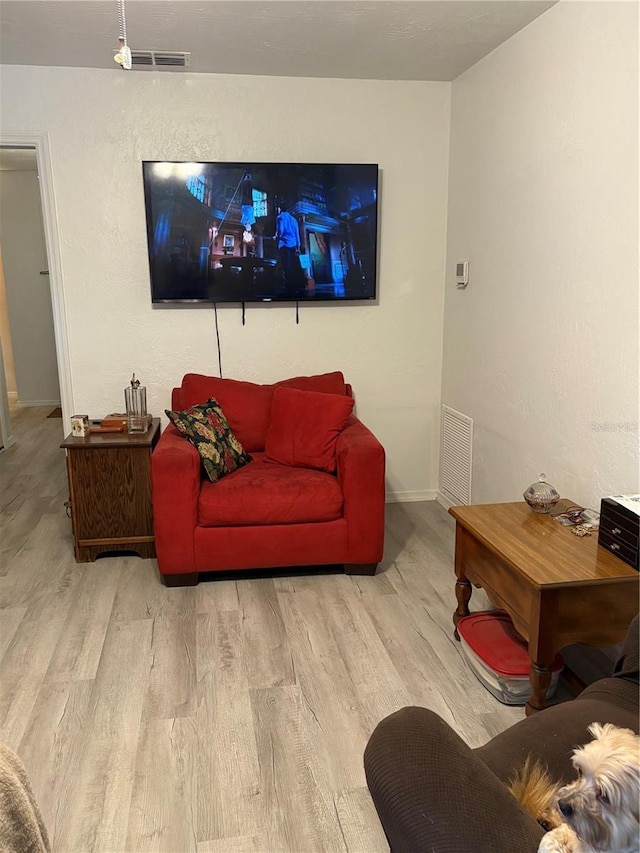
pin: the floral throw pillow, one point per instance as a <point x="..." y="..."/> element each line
<point x="206" y="427"/>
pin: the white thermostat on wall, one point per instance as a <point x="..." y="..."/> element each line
<point x="462" y="273"/>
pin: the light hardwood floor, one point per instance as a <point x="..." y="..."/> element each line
<point x="223" y="718"/>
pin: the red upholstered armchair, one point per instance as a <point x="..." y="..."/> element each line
<point x="265" y="514"/>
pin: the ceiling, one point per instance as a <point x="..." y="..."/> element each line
<point x="376" y="39"/>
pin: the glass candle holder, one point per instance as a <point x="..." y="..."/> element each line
<point x="135" y="398"/>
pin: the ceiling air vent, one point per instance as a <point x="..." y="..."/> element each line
<point x="173" y="59"/>
<point x="141" y="57"/>
<point x="160" y="59"/>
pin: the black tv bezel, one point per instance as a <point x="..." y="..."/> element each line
<point x="314" y="300"/>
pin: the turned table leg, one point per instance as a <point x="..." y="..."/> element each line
<point x="463" y="585"/>
<point x="463" y="594"/>
<point x="540" y="679"/>
<point x="543" y="645"/>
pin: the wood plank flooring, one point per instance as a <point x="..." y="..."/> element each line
<point x="225" y="718"/>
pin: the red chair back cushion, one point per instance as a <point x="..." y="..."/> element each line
<point x="304" y="427"/>
<point x="246" y="405"/>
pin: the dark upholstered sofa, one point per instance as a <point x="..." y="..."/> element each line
<point x="266" y="515"/>
<point x="433" y="793"/>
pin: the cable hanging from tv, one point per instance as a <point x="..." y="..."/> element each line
<point x="215" y="311"/>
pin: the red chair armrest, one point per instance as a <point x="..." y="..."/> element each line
<point x="360" y="467"/>
<point x="175" y="483"/>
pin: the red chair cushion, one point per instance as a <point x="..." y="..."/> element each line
<point x="304" y="427"/>
<point x="246" y="405"/>
<point x="327" y="383"/>
<point x="262" y="493"/>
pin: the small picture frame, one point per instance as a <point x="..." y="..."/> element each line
<point x="228" y="241"/>
<point x="80" y="427"/>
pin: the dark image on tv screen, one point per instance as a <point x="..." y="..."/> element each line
<point x="261" y="232"/>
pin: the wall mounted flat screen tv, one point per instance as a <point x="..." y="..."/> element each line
<point x="261" y="232"/>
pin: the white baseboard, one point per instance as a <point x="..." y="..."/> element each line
<point x="13" y="396"/>
<point x="25" y="404"/>
<point x="446" y="502"/>
<point x="407" y="497"/>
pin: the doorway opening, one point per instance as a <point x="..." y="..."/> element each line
<point x="34" y="364"/>
<point x="26" y="316"/>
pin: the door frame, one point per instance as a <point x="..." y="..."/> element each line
<point x="39" y="140"/>
<point x="5" y="421"/>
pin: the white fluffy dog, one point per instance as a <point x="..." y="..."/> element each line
<point x="600" y="811"/>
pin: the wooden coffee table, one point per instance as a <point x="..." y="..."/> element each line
<point x="558" y="588"/>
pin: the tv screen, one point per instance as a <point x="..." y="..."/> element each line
<point x="261" y="232"/>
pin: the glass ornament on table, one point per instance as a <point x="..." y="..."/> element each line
<point x="135" y="398"/>
<point x="541" y="496"/>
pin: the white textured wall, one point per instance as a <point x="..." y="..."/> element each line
<point x="28" y="296"/>
<point x="542" y="348"/>
<point x="103" y="123"/>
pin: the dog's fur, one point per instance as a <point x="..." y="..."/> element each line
<point x="600" y="811"/>
<point x="535" y="790"/>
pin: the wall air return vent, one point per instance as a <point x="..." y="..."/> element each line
<point x="456" y="456"/>
<point x="160" y="59"/>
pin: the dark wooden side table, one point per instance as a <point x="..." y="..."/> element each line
<point x="558" y="588"/>
<point x="110" y="492"/>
